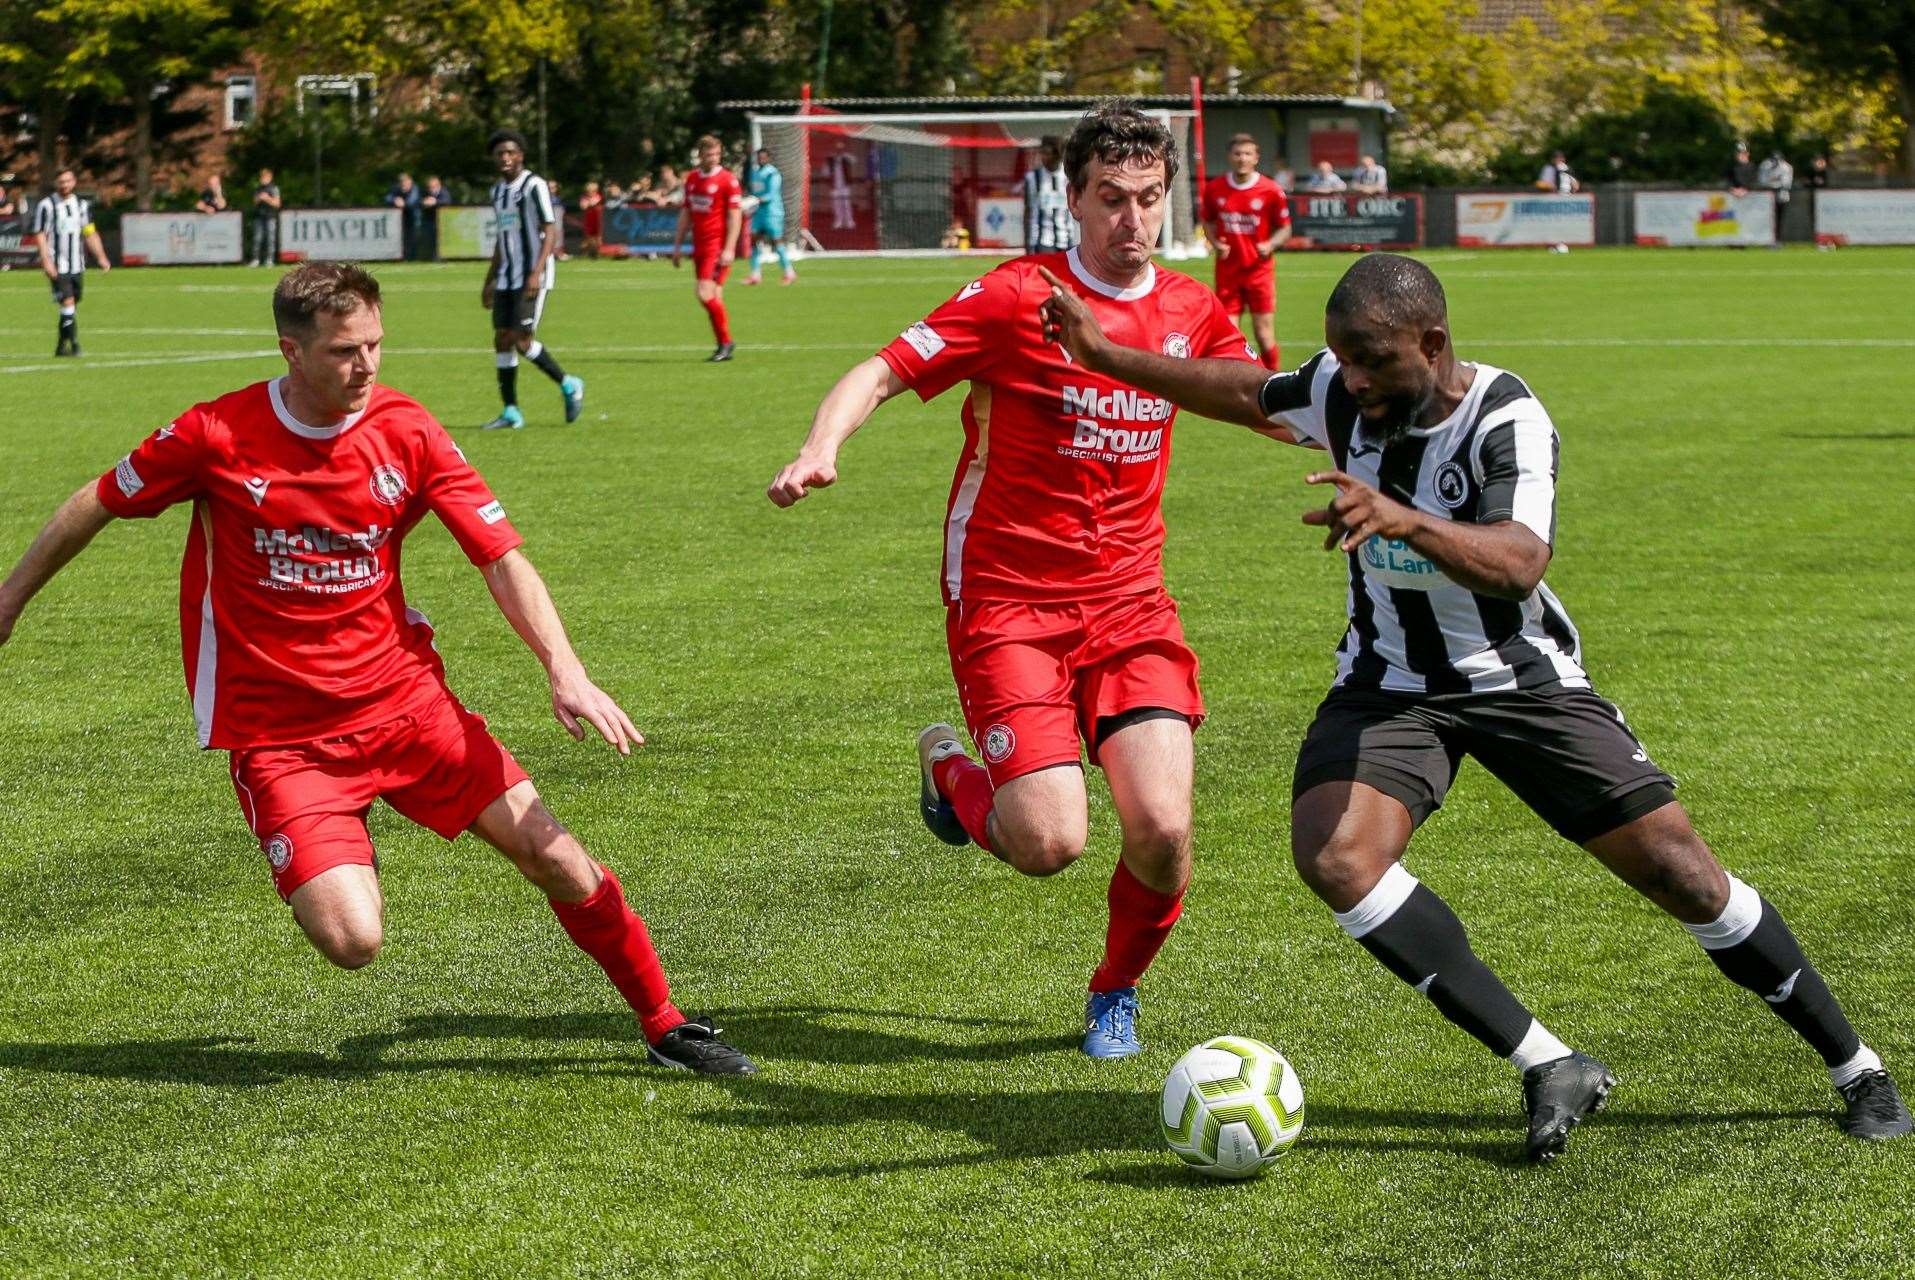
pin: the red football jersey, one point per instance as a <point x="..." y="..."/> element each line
<point x="1057" y="493"/>
<point x="710" y="197"/>
<point x="292" y="618"/>
<point x="1246" y="214"/>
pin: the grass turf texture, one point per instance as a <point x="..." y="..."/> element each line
<point x="186" y="1087"/>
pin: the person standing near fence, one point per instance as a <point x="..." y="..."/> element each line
<point x="1048" y="224"/>
<point x="63" y="222"/>
<point x="433" y="198"/>
<point x="265" y="220"/>
<point x="1558" y="177"/>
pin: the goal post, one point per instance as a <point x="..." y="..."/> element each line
<point x="904" y="183"/>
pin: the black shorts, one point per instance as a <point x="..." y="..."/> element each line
<point x="1566" y="753"/>
<point x="68" y="288"/>
<point x="511" y="309"/>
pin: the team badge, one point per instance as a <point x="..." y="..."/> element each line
<point x="279" y="851"/>
<point x="1452" y="486"/>
<point x="389" y="484"/>
<point x="1257" y="203"/>
<point x="1177" y="346"/>
<point x="999" y="742"/>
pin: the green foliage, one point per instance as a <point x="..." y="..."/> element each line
<point x="1670" y="136"/>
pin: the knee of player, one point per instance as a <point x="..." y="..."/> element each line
<point x="1327" y="860"/>
<point x="1159" y="836"/>
<point x="1689" y="881"/>
<point x="1050" y="851"/>
<point x="351" y="946"/>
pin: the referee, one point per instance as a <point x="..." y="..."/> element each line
<point x="1048" y="224"/>
<point x="63" y="221"/>
<point x="1445" y="486"/>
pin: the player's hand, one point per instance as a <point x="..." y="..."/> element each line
<point x="1070" y="324"/>
<point x="1221" y="248"/>
<point x="577" y="702"/>
<point x="677" y="257"/>
<point x="1357" y="512"/>
<point x="802" y="475"/>
<point x="726" y="257"/>
<point x="486" y="293"/>
<point x="533" y="283"/>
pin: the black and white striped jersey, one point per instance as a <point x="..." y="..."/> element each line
<point x="1048" y="224"/>
<point x="524" y="209"/>
<point x="65" y="221"/>
<point x="1413" y="630"/>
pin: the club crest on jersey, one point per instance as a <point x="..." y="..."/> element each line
<point x="1452" y="486"/>
<point x="389" y="484"/>
<point x="1257" y="203"/>
<point x="279" y="851"/>
<point x="999" y="742"/>
<point x="1177" y="346"/>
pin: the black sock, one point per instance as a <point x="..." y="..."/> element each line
<point x="69" y="328"/>
<point x="509" y="383"/>
<point x="546" y="363"/>
<point x="1422" y="942"/>
<point x="1770" y="963"/>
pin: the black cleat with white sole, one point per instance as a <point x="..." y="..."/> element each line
<point x="695" y="1046"/>
<point x="1876" y="1110"/>
<point x="938" y="742"/>
<point x="723" y="353"/>
<point x="1558" y="1096"/>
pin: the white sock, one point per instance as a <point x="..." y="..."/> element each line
<point x="1740" y="915"/>
<point x="1539" y="1045"/>
<point x="1380" y="903"/>
<point x="1864" y="1061"/>
<point x="534" y="351"/>
<point x="506" y="359"/>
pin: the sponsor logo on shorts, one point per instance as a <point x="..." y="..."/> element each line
<point x="999" y="742"/>
<point x="1177" y="346"/>
<point x="1452" y="486"/>
<point x="126" y="477"/>
<point x="279" y="851"/>
<point x="389" y="484"/>
<point x="924" y="340"/>
<point x="492" y="512"/>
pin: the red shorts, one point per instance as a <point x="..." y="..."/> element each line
<point x="307" y="803"/>
<point x="705" y="264"/>
<point x="1034" y="679"/>
<point x="1252" y="289"/>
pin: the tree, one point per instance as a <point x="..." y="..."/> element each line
<point x="1854" y="42"/>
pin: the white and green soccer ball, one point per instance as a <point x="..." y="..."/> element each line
<point x="1231" y="1106"/>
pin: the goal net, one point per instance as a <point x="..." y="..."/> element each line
<point x="928" y="183"/>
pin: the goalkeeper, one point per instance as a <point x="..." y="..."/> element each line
<point x="767" y="186"/>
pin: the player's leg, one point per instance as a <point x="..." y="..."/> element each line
<point x="784" y="257"/>
<point x="505" y="356"/>
<point x="66" y="298"/>
<point x="342" y="912"/>
<point x="1371" y="769"/>
<point x="571" y="388"/>
<point x="711" y="296"/>
<point x="1263" y="327"/>
<point x="1260" y="300"/>
<point x="757" y="257"/>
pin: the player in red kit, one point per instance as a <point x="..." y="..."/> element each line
<point x="713" y="209"/>
<point x="305" y="662"/>
<point x="1059" y="628"/>
<point x="1248" y="218"/>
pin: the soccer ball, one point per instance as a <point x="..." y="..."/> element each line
<point x="1231" y="1106"/>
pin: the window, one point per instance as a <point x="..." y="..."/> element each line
<point x="242" y="101"/>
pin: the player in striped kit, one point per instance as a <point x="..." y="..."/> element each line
<point x="63" y="222"/>
<point x="518" y="278"/>
<point x="1445" y="479"/>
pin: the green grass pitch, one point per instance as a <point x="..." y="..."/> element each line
<point x="186" y="1088"/>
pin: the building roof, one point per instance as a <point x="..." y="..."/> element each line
<point x="786" y="106"/>
<point x="1493" y="17"/>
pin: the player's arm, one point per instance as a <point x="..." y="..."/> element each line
<point x="1278" y="238"/>
<point x="551" y="238"/>
<point x="843" y="410"/>
<point x="1505" y="559"/>
<point x="521" y="596"/>
<point x="74" y="525"/>
<point x="97" y="247"/>
<point x="734" y="222"/>
<point x="44" y="234"/>
<point x="678" y="235"/>
<point x="486" y="290"/>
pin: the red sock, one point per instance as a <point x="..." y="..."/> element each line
<point x="1140" y="920"/>
<point x="1272" y="359"/>
<point x="612" y="934"/>
<point x="720" y="322"/>
<point x="967" y="785"/>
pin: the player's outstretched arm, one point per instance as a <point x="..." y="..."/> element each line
<point x="1222" y="389"/>
<point x="842" y="411"/>
<point x="65" y="536"/>
<point x="576" y="701"/>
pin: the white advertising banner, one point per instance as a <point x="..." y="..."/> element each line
<point x="1864" y="217"/>
<point x="1524" y="218"/>
<point x="359" y="234"/>
<point x="1705" y="218"/>
<point x="1000" y="222"/>
<point x="168" y="238"/>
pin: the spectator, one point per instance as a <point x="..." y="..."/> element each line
<point x="1818" y="173"/>
<point x="1778" y="175"/>
<point x="404" y="196"/>
<point x="614" y="195"/>
<point x="1370" y="178"/>
<point x="1285" y="177"/>
<point x="8" y="208"/>
<point x="956" y="236"/>
<point x="668" y="190"/>
<point x="1325" y="178"/>
<point x="558" y="216"/>
<point x="1557" y="176"/>
<point x="1740" y="174"/>
<point x="211" y="199"/>
<point x="432" y="199"/>
<point x="266" y="204"/>
<point x="591" y="216"/>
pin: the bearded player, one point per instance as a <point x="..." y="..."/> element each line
<point x="1059" y="627"/>
<point x="1248" y="217"/>
<point x="713" y="209"/>
<point x="306" y="663"/>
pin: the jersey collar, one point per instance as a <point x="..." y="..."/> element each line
<point x="1231" y="178"/>
<point x="1091" y="282"/>
<point x="1465" y="408"/>
<point x="299" y="428"/>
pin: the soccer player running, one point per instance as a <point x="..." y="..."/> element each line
<point x="768" y="218"/>
<point x="1444" y="501"/>
<point x="1248" y="218"/>
<point x="305" y="661"/>
<point x="1058" y="623"/>
<point x="713" y="208"/>
<point x="518" y="278"/>
<point x="63" y="222"/>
